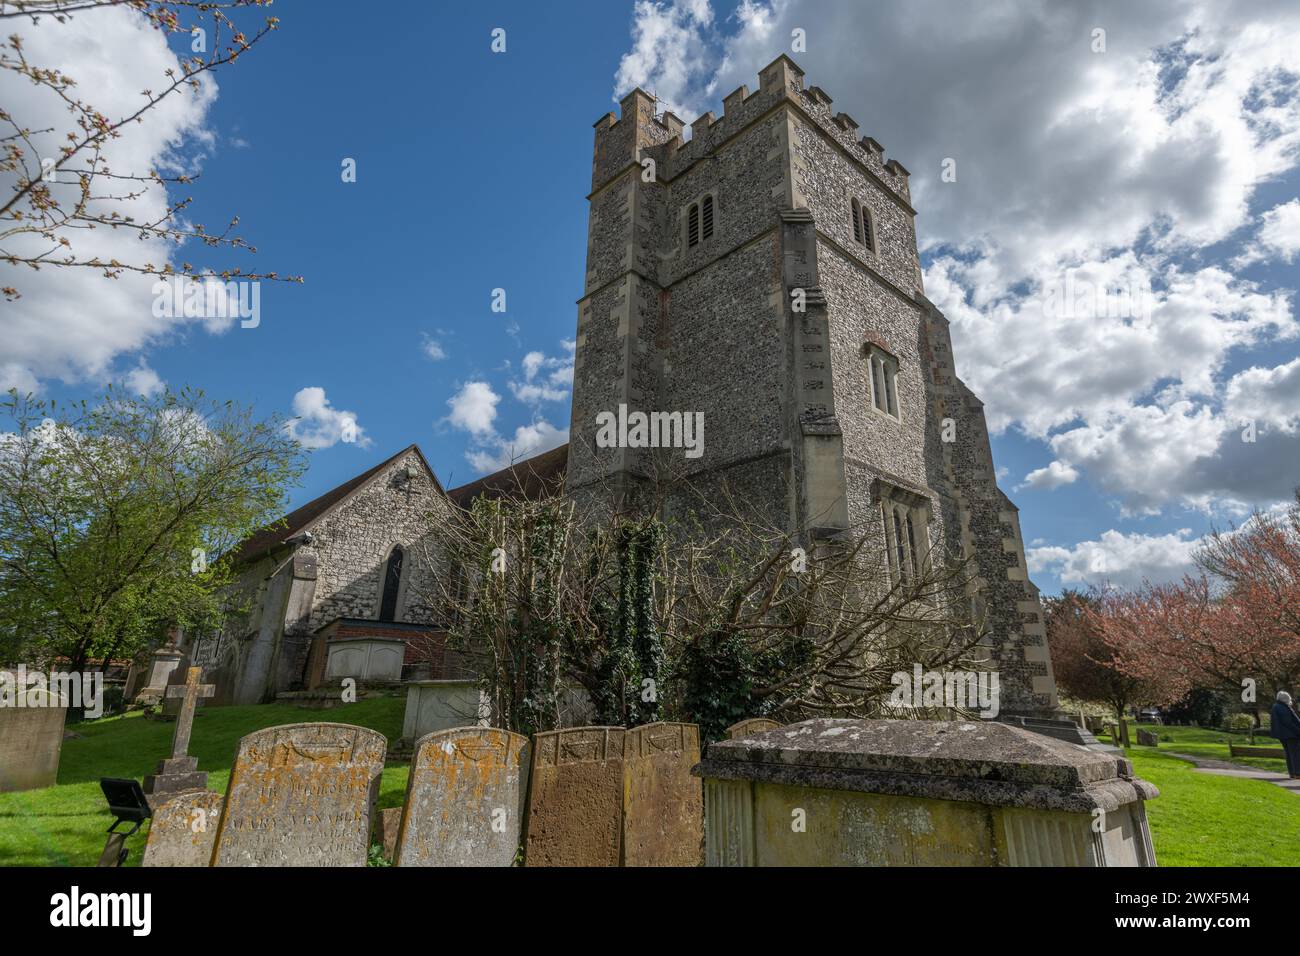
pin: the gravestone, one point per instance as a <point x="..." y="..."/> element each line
<point x="183" y="830"/>
<point x="575" y="801"/>
<point x="835" y="792"/>
<point x="31" y="739"/>
<point x="301" y="795"/>
<point x="1148" y="738"/>
<point x="1125" y="739"/>
<point x="663" y="805"/>
<point x="180" y="772"/>
<point x="754" y="725"/>
<point x="464" y="799"/>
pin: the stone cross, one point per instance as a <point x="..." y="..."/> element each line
<point x="179" y="772"/>
<point x="191" y="691"/>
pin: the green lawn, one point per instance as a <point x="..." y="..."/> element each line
<point x="1204" y="820"/>
<point x="64" y="825"/>
<point x="1202" y="742"/>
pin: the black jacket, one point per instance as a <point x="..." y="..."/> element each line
<point x="1285" y="725"/>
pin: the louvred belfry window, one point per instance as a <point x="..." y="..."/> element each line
<point x="708" y="216"/>
<point x="693" y="225"/>
<point x="857" y="221"/>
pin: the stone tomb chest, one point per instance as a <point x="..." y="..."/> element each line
<point x="433" y="705"/>
<point x="835" y="792"/>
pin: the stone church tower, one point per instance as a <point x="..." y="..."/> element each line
<point x="766" y="274"/>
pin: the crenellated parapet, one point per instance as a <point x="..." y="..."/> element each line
<point x="639" y="131"/>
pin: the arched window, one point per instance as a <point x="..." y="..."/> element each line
<point x="857" y="222"/>
<point x="707" y="216"/>
<point x="693" y="225"/>
<point x="392" y="582"/>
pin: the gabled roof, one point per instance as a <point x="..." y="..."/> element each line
<point x="298" y="520"/>
<point x="541" y="476"/>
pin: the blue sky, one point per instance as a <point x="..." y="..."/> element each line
<point x="1166" y="161"/>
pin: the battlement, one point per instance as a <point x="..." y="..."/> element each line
<point x="620" y="140"/>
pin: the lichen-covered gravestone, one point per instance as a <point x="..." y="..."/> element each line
<point x="575" y="803"/>
<point x="183" y="830"/>
<point x="464" y="799"/>
<point x="301" y="795"/>
<point x="1148" y="738"/>
<point x="663" y="805"/>
<point x="833" y="792"/>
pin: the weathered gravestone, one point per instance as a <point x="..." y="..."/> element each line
<point x="754" y="725"/>
<point x="183" y="830"/>
<point x="575" y="802"/>
<point x="1148" y="738"/>
<point x="31" y="735"/>
<point x="833" y="792"/>
<point x="464" y="799"/>
<point x="663" y="805"/>
<point x="301" y="795"/>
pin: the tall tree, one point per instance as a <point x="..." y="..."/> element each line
<point x="113" y="515"/>
<point x="1085" y="664"/>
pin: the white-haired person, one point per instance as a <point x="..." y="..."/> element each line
<point x="1285" y="726"/>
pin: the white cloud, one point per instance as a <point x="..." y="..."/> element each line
<point x="318" y="425"/>
<point x="546" y="378"/>
<point x="1119" y="559"/>
<point x="668" y="52"/>
<point x="1267" y="395"/>
<point x="142" y="380"/>
<point x="72" y="324"/>
<point x="1054" y="475"/>
<point x="1278" y="236"/>
<point x="433" y="348"/>
<point x="474" y="408"/>
<point x="528" y="440"/>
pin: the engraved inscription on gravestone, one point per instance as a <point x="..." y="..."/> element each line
<point x="464" y="799"/>
<point x="301" y="795"/>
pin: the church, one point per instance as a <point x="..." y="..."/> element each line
<point x="761" y="277"/>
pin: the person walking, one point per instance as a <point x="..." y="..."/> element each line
<point x="1284" y="725"/>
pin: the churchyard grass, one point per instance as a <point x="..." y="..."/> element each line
<point x="1206" y="742"/>
<point x="64" y="825"/>
<point x="1201" y="819"/>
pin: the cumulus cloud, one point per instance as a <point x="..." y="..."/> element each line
<point x="1054" y="475"/>
<point x="1119" y="559"/>
<point x="545" y="378"/>
<point x="142" y="380"/>
<point x="318" y="425"/>
<point x="1278" y="237"/>
<point x="474" y="410"/>
<point x="72" y="324"/>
